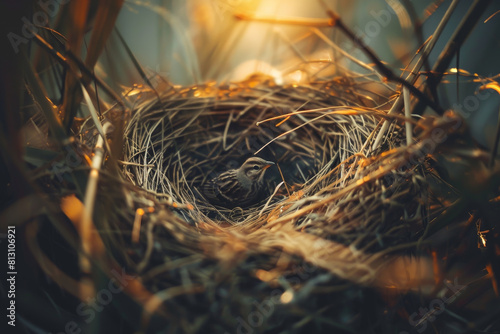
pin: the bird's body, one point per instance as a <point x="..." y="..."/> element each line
<point x="238" y="187"/>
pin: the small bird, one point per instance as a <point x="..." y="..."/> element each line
<point x="238" y="187"/>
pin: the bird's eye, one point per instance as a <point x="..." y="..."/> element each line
<point x="256" y="167"/>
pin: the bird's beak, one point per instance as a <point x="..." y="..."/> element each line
<point x="269" y="164"/>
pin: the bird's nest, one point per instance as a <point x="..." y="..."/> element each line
<point x="344" y="215"/>
<point x="177" y="142"/>
<point x="349" y="238"/>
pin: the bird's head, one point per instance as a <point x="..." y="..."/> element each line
<point x="253" y="170"/>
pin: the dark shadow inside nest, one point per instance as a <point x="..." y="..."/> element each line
<point x="181" y="142"/>
<point x="218" y="145"/>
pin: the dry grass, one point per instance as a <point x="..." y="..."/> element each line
<point x="367" y="222"/>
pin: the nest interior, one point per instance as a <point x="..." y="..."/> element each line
<point x="176" y="142"/>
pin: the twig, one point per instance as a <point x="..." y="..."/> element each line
<point x="406" y="95"/>
<point x="384" y="70"/>
<point x="85" y="228"/>
<point x="412" y="77"/>
<point x="455" y="42"/>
